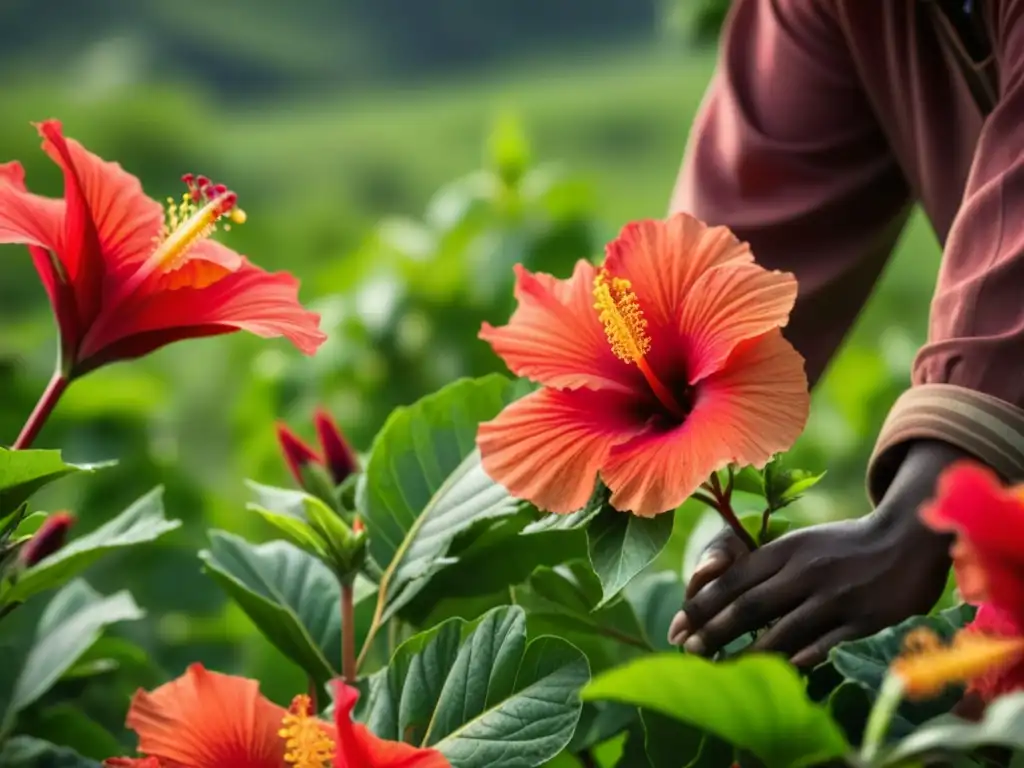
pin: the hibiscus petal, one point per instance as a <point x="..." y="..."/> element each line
<point x="547" y="447"/>
<point x="206" y="718"/>
<point x="249" y="299"/>
<point x="104" y="201"/>
<point x="971" y="501"/>
<point x="753" y="408"/>
<point x="663" y="259"/>
<point x="27" y="218"/>
<point x="554" y="337"/>
<point x="206" y="262"/>
<point x="358" y="747"/>
<point x="728" y="305"/>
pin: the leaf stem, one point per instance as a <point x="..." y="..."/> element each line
<point x="47" y="402"/>
<point x="349" y="662"/>
<point x="882" y="713"/>
<point x="721" y="502"/>
<point x="312" y="690"/>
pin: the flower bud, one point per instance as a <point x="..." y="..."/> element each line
<point x="48" y="539"/>
<point x="338" y="455"/>
<point x="297" y="454"/>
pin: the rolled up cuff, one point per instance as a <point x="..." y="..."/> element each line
<point x="986" y="427"/>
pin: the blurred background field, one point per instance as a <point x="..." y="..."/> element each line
<point x="399" y="157"/>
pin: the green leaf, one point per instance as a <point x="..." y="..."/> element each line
<point x="621" y="545"/>
<point x="424" y="485"/>
<point x="866" y="663"/>
<point x="27" y="752"/>
<point x="574" y="520"/>
<point x="480" y="694"/>
<point x="783" y="485"/>
<point x="22" y="473"/>
<point x="70" y="624"/>
<point x="1001" y="726"/>
<point x="68" y="724"/>
<point x="292" y="598"/>
<point x="777" y="526"/>
<point x="564" y="601"/>
<point x="142" y="522"/>
<point x="671" y="744"/>
<point x="309" y="523"/>
<point x="655" y="599"/>
<point x="757" y="703"/>
<point x="490" y="557"/>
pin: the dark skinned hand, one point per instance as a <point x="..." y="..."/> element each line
<point x="824" y="584"/>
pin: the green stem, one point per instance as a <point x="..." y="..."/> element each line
<point x="882" y="713"/>
<point x="50" y="397"/>
<point x="349" y="663"/>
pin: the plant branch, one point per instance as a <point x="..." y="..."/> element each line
<point x="47" y="402"/>
<point x="722" y="504"/>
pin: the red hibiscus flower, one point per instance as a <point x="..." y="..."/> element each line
<point x="209" y="720"/>
<point x="988" y="559"/>
<point x="659" y="369"/>
<point x="989" y="551"/>
<point x="124" y="278"/>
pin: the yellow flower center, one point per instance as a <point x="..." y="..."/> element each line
<point x="623" y="320"/>
<point x="927" y="666"/>
<point x="626" y="328"/>
<point x="194" y="218"/>
<point x="307" y="745"/>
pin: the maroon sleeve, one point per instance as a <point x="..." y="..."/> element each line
<point x="969" y="377"/>
<point x="787" y="153"/>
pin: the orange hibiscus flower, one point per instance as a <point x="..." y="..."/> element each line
<point x="660" y="368"/>
<point x="125" y="278"/>
<point x="209" y="720"/>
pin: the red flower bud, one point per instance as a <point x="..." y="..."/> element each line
<point x="48" y="539"/>
<point x="339" y="457"/>
<point x="296" y="453"/>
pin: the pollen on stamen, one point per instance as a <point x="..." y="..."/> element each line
<point x="623" y="320"/>
<point x="306" y="743"/>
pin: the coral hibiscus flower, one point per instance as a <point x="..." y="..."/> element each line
<point x="125" y="278"/>
<point x="660" y="368"/>
<point x="209" y="720"/>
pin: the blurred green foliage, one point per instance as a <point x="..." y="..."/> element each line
<point x="342" y="192"/>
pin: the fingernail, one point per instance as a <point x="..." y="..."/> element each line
<point x="707" y="562"/>
<point x="679" y="630"/>
<point x="695" y="645"/>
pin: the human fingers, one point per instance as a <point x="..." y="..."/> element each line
<point x="748" y="612"/>
<point x="725" y="549"/>
<point x="800" y="627"/>
<point x="817" y="651"/>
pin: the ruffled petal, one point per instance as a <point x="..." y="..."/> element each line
<point x="755" y="407"/>
<point x="971" y="501"/>
<point x="104" y="202"/>
<point x="206" y="718"/>
<point x="729" y="305"/>
<point x="249" y="299"/>
<point x="357" y="747"/>
<point x="206" y="263"/>
<point x="1005" y="678"/>
<point x="27" y="218"/>
<point x="548" y="446"/>
<point x="663" y="259"/>
<point x="554" y="337"/>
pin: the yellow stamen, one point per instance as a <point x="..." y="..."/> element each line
<point x="307" y="745"/>
<point x="626" y="328"/>
<point x="187" y="224"/>
<point x="623" y="320"/>
<point x="928" y="666"/>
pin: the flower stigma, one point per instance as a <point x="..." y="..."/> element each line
<point x="306" y="743"/>
<point x="626" y="329"/>
<point x="927" y="666"/>
<point x="194" y="218"/>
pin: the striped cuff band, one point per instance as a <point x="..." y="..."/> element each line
<point x="988" y="428"/>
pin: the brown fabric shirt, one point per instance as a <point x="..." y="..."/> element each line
<point x="825" y="121"/>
